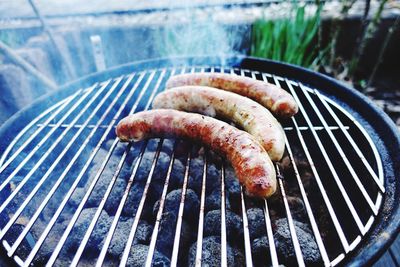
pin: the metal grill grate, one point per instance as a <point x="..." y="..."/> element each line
<point x="52" y="169"/>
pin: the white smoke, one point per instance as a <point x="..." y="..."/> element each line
<point x="199" y="33"/>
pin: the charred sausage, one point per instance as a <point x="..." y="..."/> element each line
<point x="246" y="113"/>
<point x="277" y="100"/>
<point x="251" y="163"/>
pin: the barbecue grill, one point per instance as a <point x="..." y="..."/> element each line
<point x="337" y="186"/>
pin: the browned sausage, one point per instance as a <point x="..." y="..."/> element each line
<point x="246" y="113"/>
<point x="250" y="161"/>
<point x="277" y="100"/>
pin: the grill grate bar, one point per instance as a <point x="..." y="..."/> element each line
<point x="108" y="191"/>
<point x="199" y="246"/>
<point x="153" y="93"/>
<point x="270" y="235"/>
<point x="328" y="203"/>
<point x="309" y="109"/>
<point x="73" y="160"/>
<point x="90" y="126"/>
<point x="310" y="213"/>
<point x="268" y="224"/>
<point x="288" y="128"/>
<point x="94" y="182"/>
<point x="295" y="240"/>
<point x="247" y="245"/>
<point x="337" y="260"/>
<point x="224" y="253"/>
<point x="156" y="226"/>
<point x="137" y="216"/>
<point x="92" y="224"/>
<point x="342" y="154"/>
<point x="90" y="117"/>
<point x="379" y="182"/>
<point x="38" y="146"/>
<point x="62" y="104"/>
<point x="224" y="249"/>
<point x="36" y="188"/>
<point x="121" y="206"/>
<point x="329" y="162"/>
<point x="120" y="93"/>
<point x="141" y="204"/>
<point x="126" y="252"/>
<point x="315" y="128"/>
<point x="79" y="177"/>
<point x="33" y="170"/>
<point x="151" y="251"/>
<point x="174" y="258"/>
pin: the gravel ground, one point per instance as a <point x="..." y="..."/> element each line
<point x="386" y="95"/>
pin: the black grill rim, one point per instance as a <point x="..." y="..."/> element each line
<point x="380" y="127"/>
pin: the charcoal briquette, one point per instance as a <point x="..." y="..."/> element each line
<point x="177" y="174"/>
<point x="260" y="251"/>
<point x="255" y="217"/>
<point x="166" y="233"/>
<point x="213" y="201"/>
<point x="232" y="186"/>
<point x="212" y="225"/>
<point x="138" y="257"/>
<point x="172" y="202"/>
<point x="211" y="253"/>
<point x="132" y="203"/>
<point x="284" y="246"/>
<point x="121" y="234"/>
<point x="82" y="225"/>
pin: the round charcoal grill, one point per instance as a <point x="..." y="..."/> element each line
<point x="71" y="193"/>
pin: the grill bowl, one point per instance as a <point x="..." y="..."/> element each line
<point x="379" y="127"/>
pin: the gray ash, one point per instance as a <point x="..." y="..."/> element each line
<point x="77" y="196"/>
<point x="121" y="234"/>
<point x="113" y="199"/>
<point x="82" y="225"/>
<point x="108" y="172"/>
<point x="138" y="257"/>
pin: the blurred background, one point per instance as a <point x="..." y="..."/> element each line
<point x="45" y="44"/>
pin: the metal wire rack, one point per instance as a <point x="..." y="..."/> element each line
<point x="58" y="153"/>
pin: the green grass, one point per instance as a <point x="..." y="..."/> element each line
<point x="292" y="39"/>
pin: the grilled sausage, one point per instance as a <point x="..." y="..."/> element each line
<point x="277" y="100"/>
<point x="248" y="114"/>
<point x="250" y="161"/>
